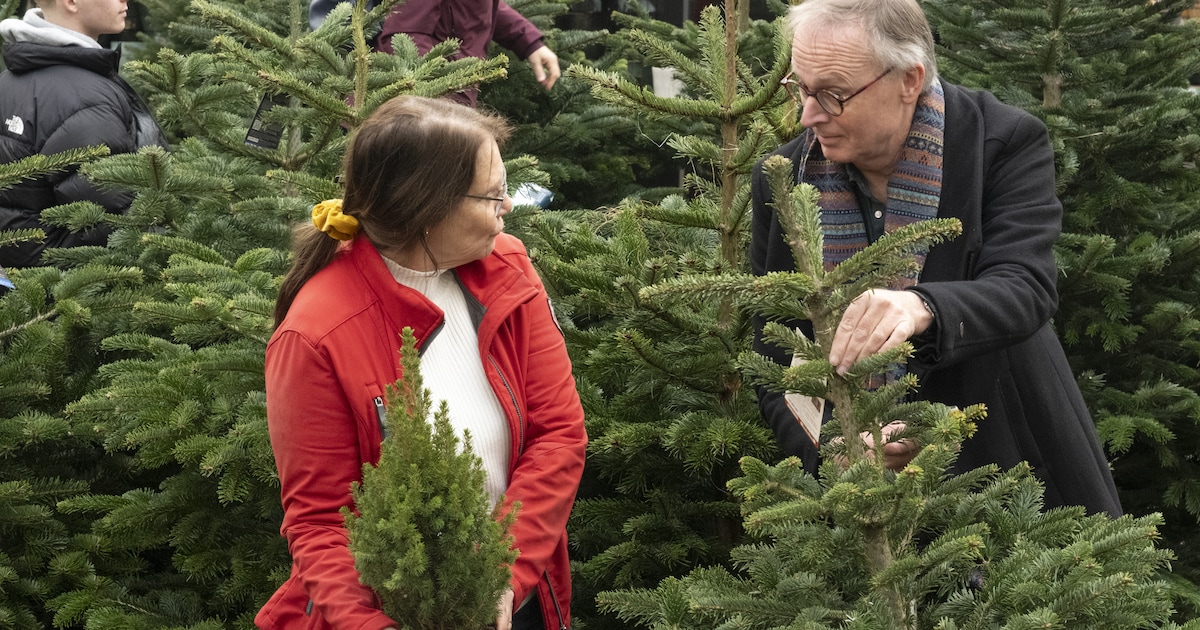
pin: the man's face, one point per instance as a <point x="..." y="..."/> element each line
<point x="99" y="17"/>
<point x="873" y="123"/>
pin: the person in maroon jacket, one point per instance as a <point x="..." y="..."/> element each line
<point x="475" y="23"/>
<point x="418" y="242"/>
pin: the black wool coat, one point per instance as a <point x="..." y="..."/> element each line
<point x="993" y="290"/>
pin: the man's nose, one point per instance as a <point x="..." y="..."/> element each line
<point x="811" y="112"/>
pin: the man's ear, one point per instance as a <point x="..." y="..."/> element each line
<point x="913" y="80"/>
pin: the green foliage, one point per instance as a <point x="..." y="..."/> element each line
<point x="424" y="537"/>
<point x="1109" y="79"/>
<point x="38" y="166"/>
<point x="136" y="370"/>
<point x="668" y="415"/>
<point x="46" y="358"/>
<point x="867" y="547"/>
<point x="666" y="421"/>
<point x="330" y="80"/>
<point x="594" y="153"/>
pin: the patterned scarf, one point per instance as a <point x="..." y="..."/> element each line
<point x="914" y="189"/>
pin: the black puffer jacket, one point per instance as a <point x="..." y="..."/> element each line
<point x="54" y="98"/>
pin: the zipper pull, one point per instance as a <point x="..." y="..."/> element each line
<point x="381" y="413"/>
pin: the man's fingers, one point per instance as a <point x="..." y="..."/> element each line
<point x="874" y="322"/>
<point x="842" y="352"/>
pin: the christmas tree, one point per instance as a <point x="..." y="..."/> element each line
<point x="668" y="413"/>
<point x="593" y="153"/>
<point x="422" y="531"/>
<point x="44" y="361"/>
<point x="1109" y="78"/>
<point x="867" y="547"/>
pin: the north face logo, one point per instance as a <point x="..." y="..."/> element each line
<point x="15" y="125"/>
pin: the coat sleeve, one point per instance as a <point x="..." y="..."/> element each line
<point x="766" y="239"/>
<point x="98" y="124"/>
<point x="546" y="475"/>
<point x="514" y="32"/>
<point x="1009" y="290"/>
<point x="315" y="440"/>
<point x="418" y="19"/>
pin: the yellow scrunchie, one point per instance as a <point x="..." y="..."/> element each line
<point x="328" y="218"/>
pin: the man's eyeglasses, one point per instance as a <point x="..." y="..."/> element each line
<point x="499" y="200"/>
<point x="832" y="103"/>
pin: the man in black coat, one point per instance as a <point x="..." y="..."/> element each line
<point x="887" y="144"/>
<point x="61" y="91"/>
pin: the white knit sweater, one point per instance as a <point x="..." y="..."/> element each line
<point x="453" y="372"/>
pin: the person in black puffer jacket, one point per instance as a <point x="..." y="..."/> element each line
<point x="61" y="91"/>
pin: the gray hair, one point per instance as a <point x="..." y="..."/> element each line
<point x="898" y="34"/>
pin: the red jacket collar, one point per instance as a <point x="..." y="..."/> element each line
<point x="497" y="282"/>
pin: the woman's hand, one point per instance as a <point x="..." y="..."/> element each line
<point x="505" y="611"/>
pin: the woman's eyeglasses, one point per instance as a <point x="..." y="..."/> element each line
<point x="831" y="102"/>
<point x="499" y="200"/>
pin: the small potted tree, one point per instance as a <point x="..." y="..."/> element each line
<point x="423" y="533"/>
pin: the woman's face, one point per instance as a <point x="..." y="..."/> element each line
<point x="470" y="233"/>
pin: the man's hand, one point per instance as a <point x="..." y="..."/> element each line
<point x="877" y="320"/>
<point x="545" y="66"/>
<point x="896" y="455"/>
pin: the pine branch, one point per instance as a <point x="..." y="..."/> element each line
<point x="611" y="88"/>
<point x="12" y="237"/>
<point x="36" y="165"/>
<point x="242" y="29"/>
<point x="668" y="56"/>
<point x="17" y="328"/>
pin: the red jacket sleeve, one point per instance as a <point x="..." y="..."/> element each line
<point x="546" y="475"/>
<point x="315" y="439"/>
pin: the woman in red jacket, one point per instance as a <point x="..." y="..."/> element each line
<point x="418" y="242"/>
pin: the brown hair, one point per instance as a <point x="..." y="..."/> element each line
<point x="406" y="170"/>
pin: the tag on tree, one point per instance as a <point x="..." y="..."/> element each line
<point x="808" y="410"/>
<point x="262" y="134"/>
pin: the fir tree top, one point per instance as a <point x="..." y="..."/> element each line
<point x="422" y="532"/>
